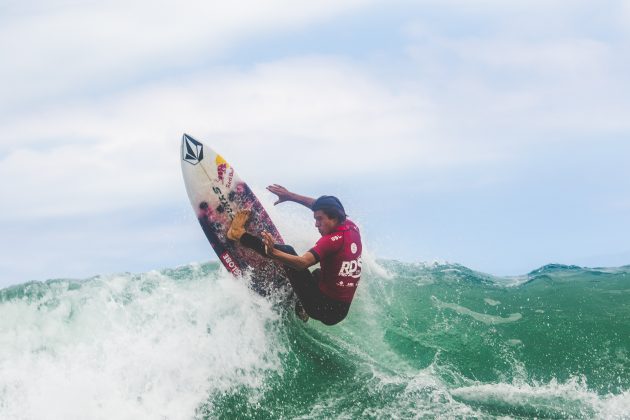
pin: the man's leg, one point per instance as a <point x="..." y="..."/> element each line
<point x="236" y="232"/>
<point x="296" y="277"/>
<point x="253" y="242"/>
<point x="302" y="282"/>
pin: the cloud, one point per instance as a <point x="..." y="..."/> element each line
<point x="96" y="97"/>
<point x="548" y="87"/>
<point x="61" y="48"/>
<point x="309" y="117"/>
<point x="90" y="244"/>
<point x="471" y="100"/>
<point x="322" y="117"/>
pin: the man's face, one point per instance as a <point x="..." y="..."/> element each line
<point x="323" y="223"/>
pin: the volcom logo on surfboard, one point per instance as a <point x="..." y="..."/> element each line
<point x="192" y="150"/>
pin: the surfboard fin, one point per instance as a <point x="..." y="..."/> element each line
<point x="301" y="312"/>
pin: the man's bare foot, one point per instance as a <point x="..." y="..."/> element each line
<point x="237" y="228"/>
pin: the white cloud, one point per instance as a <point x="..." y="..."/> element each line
<point x="311" y="117"/>
<point x="78" y="247"/>
<point x="481" y="100"/>
<point x="54" y="48"/>
<point x="551" y="87"/>
<point x="571" y="57"/>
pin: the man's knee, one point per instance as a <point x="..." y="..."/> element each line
<point x="286" y="248"/>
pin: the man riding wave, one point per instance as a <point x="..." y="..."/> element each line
<point x="327" y="292"/>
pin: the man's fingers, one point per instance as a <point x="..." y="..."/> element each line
<point x="268" y="237"/>
<point x="280" y="191"/>
<point x="276" y="187"/>
<point x="268" y="242"/>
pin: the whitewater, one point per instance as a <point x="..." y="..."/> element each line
<point x="421" y="341"/>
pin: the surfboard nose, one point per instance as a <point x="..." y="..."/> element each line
<point x="192" y="150"/>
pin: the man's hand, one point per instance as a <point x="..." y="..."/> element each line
<point x="299" y="263"/>
<point x="269" y="243"/>
<point x="282" y="193"/>
<point x="286" y="195"/>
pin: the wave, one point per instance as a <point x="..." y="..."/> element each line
<point x="421" y="340"/>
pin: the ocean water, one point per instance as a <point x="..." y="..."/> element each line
<point x="421" y="341"/>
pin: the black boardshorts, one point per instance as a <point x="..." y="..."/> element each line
<point x="306" y="286"/>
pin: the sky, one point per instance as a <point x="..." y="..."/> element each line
<point x="486" y="133"/>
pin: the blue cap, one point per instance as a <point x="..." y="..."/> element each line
<point x="328" y="202"/>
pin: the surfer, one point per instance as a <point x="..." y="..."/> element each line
<point x="327" y="292"/>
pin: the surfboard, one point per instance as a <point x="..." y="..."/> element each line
<point x="217" y="193"/>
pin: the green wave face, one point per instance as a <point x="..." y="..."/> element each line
<point x="420" y="341"/>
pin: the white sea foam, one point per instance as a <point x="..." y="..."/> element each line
<point x="485" y="318"/>
<point x="491" y="302"/>
<point x="128" y="347"/>
<point x="570" y="399"/>
<point x="615" y="406"/>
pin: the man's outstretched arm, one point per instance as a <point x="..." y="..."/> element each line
<point x="286" y="195"/>
<point x="293" y="261"/>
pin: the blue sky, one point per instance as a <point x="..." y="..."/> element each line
<point x="488" y="133"/>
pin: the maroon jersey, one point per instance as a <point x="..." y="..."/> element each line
<point x="339" y="254"/>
